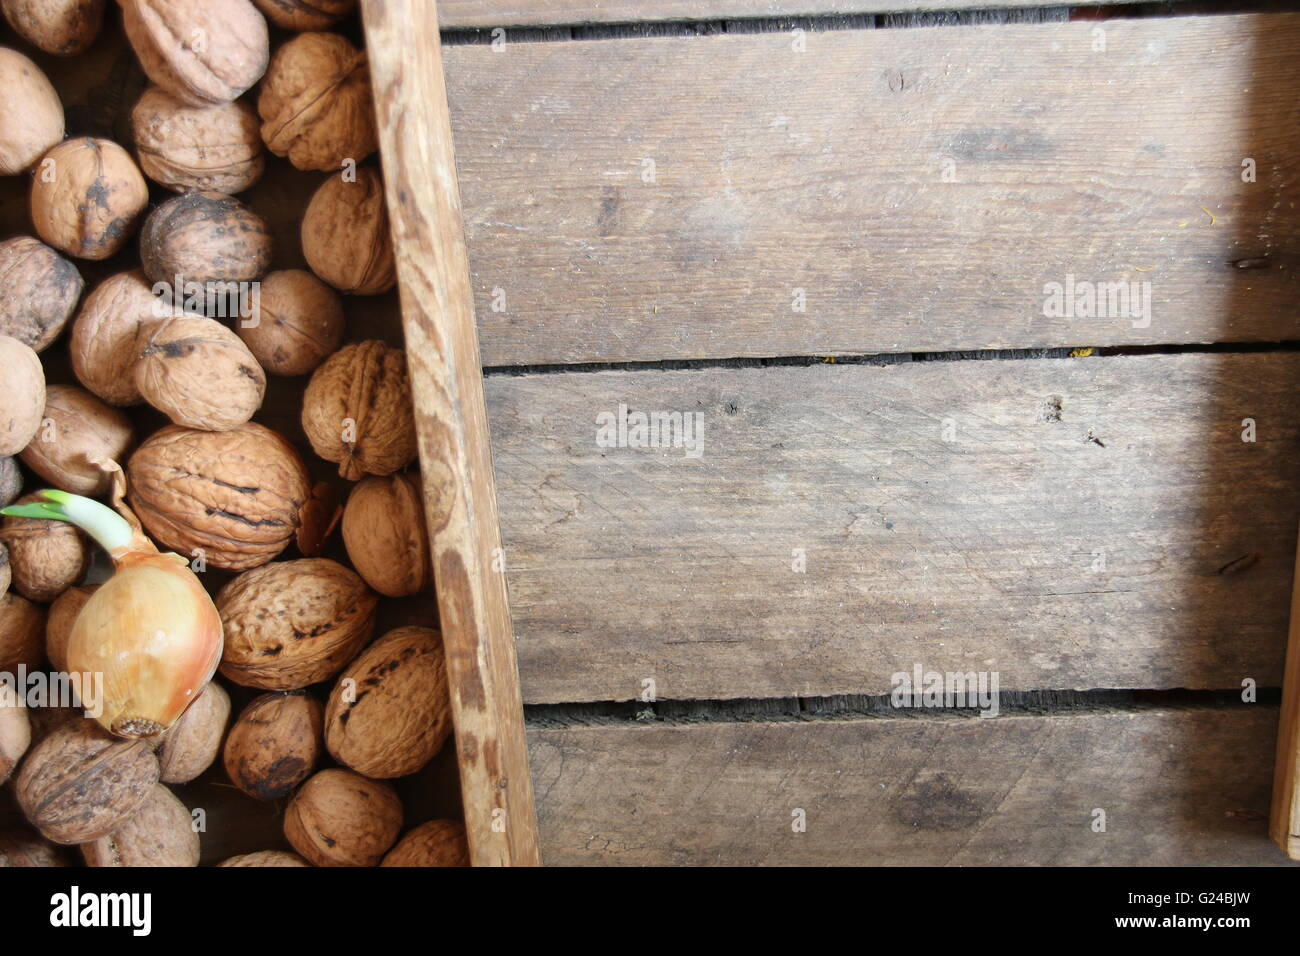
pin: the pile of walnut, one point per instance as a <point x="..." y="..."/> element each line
<point x="342" y="709"/>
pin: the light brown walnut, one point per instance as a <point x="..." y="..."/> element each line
<point x="385" y="535"/>
<point x="436" y="843"/>
<point x="107" y="335"/>
<point x="31" y="116"/>
<point x="45" y="557"/>
<point x="266" y="858"/>
<point x="299" y="322"/>
<point x="22" y="633"/>
<point x="159" y="833"/>
<point x="305" y="14"/>
<point x="339" y="818"/>
<point x="22" y="395"/>
<point x="59" y="27"/>
<point x="58" y="623"/>
<point x="199" y="374"/>
<point x="197" y="148"/>
<point x="345" y="234"/>
<point x="77" y="435"/>
<point x="191" y="744"/>
<point x="88" y="197"/>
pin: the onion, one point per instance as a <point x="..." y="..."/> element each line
<point x="149" y="638"/>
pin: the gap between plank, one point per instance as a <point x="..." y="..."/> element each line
<point x="1043" y="703"/>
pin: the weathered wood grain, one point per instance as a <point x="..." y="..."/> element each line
<point x="485" y="14"/>
<point x="824" y="171"/>
<point x="1284" y="826"/>
<point x="1177" y="787"/>
<point x="446" y="382"/>
<point x="1069" y="523"/>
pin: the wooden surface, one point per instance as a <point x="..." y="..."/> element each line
<point x="485" y="14"/>
<point x="1093" y="522"/>
<point x="1177" y="787"/>
<point x="1284" y="824"/>
<point x="823" y="171"/>
<point x="460" y="500"/>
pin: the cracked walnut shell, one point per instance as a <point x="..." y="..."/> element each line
<point x="390" y="712"/>
<point x="294" y="623"/>
<point x="357" y="410"/>
<point x="316" y="103"/>
<point x="236" y="497"/>
<point x="197" y="148"/>
<point x="201" y="51"/>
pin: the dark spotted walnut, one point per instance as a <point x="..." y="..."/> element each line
<point x="208" y="239"/>
<point x="41" y="291"/>
<point x="87" y="197"/>
<point x="275" y="744"/>
<point x="199" y="374"/>
<point x="294" y="623"/>
<point x="235" y="496"/>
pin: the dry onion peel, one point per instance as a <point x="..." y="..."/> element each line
<point x="151" y="633"/>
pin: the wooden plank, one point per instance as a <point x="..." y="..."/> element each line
<point x="1178" y="787"/>
<point x="485" y="14"/>
<point x="1284" y="824"/>
<point x="824" y="171"/>
<point x="460" y="499"/>
<point x="1068" y="523"/>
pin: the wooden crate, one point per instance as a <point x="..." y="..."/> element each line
<point x="833" y="239"/>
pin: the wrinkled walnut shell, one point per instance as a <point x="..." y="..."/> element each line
<point x="22" y="634"/>
<point x="87" y="197"/>
<point x="298" y="324"/>
<point x="41" y="289"/>
<point x="390" y="712"/>
<point x="385" y="534"/>
<point x="45" y="557"/>
<point x="275" y="745"/>
<point x="78" y="434"/>
<point x="357" y="410"/>
<point x="59" y="27"/>
<point x="266" y="858"/>
<point x="23" y="847"/>
<point x="339" y="818"/>
<point x="11" y="482"/>
<point x="200" y="374"/>
<point x="58" y="624"/>
<point x="197" y="148"/>
<point x="22" y="395"/>
<point x="345" y="234"/>
<point x="107" y="336"/>
<point x="206" y="238"/>
<point x="81" y="782"/>
<point x="293" y="623"/>
<point x="159" y="833"/>
<point x="436" y="843"/>
<point x="237" y="496"/>
<point x="203" y="52"/>
<point x="15" y="730"/>
<point x="316" y="103"/>
<point x="305" y="14"/>
<point x="191" y="744"/>
<point x="31" y="116"/>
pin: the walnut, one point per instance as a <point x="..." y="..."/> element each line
<point x="436" y="843"/>
<point x="298" y="323"/>
<point x="345" y="234"/>
<point x="78" y="433"/>
<point x="201" y="51"/>
<point x="31" y="116"/>
<point x="160" y="833"/>
<point x="385" y="535"/>
<point x="294" y="623"/>
<point x="236" y="496"/>
<point x="305" y="14"/>
<point x="45" y="557"/>
<point x="6" y="576"/>
<point x="191" y="744"/>
<point x="87" y="197"/>
<point x="11" y="482"/>
<point x="357" y="410"/>
<point x="390" y="712"/>
<point x="206" y="239"/>
<point x="22" y="634"/>
<point x="340" y="818"/>
<point x="107" y="334"/>
<point x="274" y="745"/>
<point x="211" y="148"/>
<point x="21" y="847"/>
<point x="58" y="623"/>
<point x="60" y="27"/>
<point x="316" y="103"/>
<point x="200" y="374"/>
<point x="41" y="289"/>
<point x="22" y="395"/>
<point x="81" y="782"/>
<point x="266" y="858"/>
<point x="15" y="730"/>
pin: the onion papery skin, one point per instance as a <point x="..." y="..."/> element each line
<point x="153" y="634"/>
